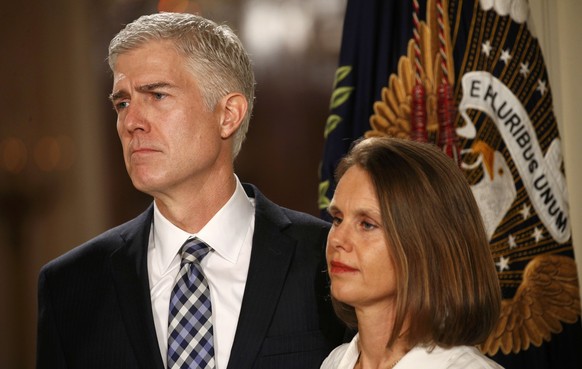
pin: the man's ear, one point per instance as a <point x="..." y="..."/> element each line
<point x="234" y="109"/>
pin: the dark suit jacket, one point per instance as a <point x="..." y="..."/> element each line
<point x="95" y="308"/>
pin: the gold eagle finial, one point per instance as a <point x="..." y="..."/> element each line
<point x="392" y="115"/>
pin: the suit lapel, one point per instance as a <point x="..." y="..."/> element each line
<point x="271" y="256"/>
<point x="130" y="276"/>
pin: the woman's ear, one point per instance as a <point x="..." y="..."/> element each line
<point x="234" y="110"/>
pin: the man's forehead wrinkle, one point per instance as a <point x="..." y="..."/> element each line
<point x="146" y="87"/>
<point x="118" y="77"/>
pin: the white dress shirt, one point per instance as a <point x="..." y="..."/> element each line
<point x="459" y="357"/>
<point x="229" y="234"/>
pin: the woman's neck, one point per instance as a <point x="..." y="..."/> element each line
<point x="375" y="329"/>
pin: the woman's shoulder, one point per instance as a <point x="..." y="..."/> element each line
<point x="343" y="356"/>
<point x="458" y="357"/>
<point x="334" y="358"/>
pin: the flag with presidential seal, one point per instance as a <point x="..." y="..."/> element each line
<point x="469" y="76"/>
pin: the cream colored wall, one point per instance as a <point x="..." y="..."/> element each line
<point x="558" y="26"/>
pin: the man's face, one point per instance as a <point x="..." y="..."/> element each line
<point x="171" y="141"/>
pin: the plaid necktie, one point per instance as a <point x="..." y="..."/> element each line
<point x="190" y="341"/>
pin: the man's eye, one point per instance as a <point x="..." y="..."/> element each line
<point x="159" y="95"/>
<point x="121" y="105"/>
<point x="336" y="221"/>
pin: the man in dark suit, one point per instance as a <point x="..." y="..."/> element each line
<point x="183" y="90"/>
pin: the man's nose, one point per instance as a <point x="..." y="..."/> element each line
<point x="135" y="118"/>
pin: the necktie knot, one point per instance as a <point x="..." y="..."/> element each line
<point x="193" y="250"/>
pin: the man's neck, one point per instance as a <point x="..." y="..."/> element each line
<point x="192" y="209"/>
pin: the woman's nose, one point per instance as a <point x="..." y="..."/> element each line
<point x="339" y="238"/>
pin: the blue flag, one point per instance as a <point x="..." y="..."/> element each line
<point x="470" y="77"/>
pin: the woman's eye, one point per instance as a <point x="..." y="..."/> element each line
<point x="368" y="226"/>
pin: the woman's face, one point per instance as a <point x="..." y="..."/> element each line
<point x="358" y="259"/>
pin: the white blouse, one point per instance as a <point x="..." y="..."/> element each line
<point x="458" y="357"/>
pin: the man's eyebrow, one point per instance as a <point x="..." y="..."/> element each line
<point x="118" y="95"/>
<point x="143" y="88"/>
<point x="153" y="86"/>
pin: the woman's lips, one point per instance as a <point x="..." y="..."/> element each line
<point x="337" y="268"/>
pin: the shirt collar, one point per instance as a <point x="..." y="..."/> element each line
<point x="224" y="233"/>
